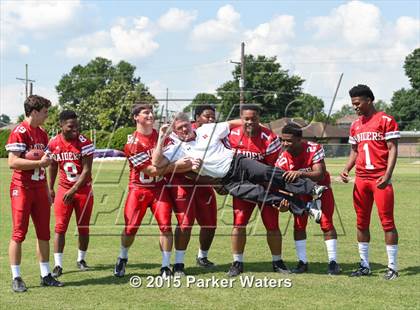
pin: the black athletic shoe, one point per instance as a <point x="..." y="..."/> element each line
<point x="204" y="262"/>
<point x="236" y="269"/>
<point x="333" y="268"/>
<point x="18" y="285"/>
<point x="178" y="270"/>
<point x="279" y="266"/>
<point x="361" y="271"/>
<point x="119" y="270"/>
<point x="165" y="272"/>
<point x="82" y="265"/>
<point x="301" y="267"/>
<point x="317" y="191"/>
<point x="49" y="280"/>
<point x="390" y="274"/>
<point x="57" y="271"/>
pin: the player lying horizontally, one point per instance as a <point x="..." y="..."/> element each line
<point x="242" y="177"/>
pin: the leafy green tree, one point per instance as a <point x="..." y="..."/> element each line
<point x="266" y="83"/>
<point x="5" y="119"/>
<point x="202" y="98"/>
<point x="307" y="107"/>
<point x="412" y="68"/>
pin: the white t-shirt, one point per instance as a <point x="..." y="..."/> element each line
<point x="207" y="146"/>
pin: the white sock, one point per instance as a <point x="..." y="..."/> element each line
<point x="45" y="268"/>
<point x="331" y="249"/>
<point x="123" y="252"/>
<point x="238" y="257"/>
<point x="364" y="254"/>
<point x="166" y="258"/>
<point x="58" y="259"/>
<point x="301" y="250"/>
<point x="392" y="251"/>
<point x="81" y="255"/>
<point x="202" y="254"/>
<point x="276" y="257"/>
<point x="15" y="271"/>
<point x="179" y="257"/>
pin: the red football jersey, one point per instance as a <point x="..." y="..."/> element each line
<point x="264" y="147"/>
<point x="138" y="150"/>
<point x="312" y="154"/>
<point x="371" y="135"/>
<point x="68" y="155"/>
<point x="21" y="140"/>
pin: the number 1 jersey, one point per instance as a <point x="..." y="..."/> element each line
<point x="370" y="135"/>
<point x="68" y="155"/>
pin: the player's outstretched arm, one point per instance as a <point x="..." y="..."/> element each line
<point x="16" y="162"/>
<point x="392" y="160"/>
<point x="350" y="164"/>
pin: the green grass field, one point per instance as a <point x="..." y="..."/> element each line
<point x="98" y="288"/>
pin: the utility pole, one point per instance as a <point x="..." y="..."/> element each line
<point x="27" y="80"/>
<point x="242" y="78"/>
<point x="166" y="105"/>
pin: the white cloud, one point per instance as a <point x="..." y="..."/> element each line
<point x="223" y="28"/>
<point x="408" y="28"/>
<point x="24" y="49"/>
<point x="34" y="18"/>
<point x="124" y="40"/>
<point x="175" y="19"/>
<point x="357" y="22"/>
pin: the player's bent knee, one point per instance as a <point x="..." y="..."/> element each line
<point x="131" y="231"/>
<point x="165" y="228"/>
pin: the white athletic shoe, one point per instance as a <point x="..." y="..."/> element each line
<point x="314" y="210"/>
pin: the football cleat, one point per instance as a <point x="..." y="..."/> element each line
<point x="82" y="265"/>
<point x="204" y="262"/>
<point x="57" y="271"/>
<point x="301" y="267"/>
<point x="361" y="271"/>
<point x="317" y="191"/>
<point x="119" y="270"/>
<point x="390" y="274"/>
<point x="314" y="210"/>
<point x="178" y="270"/>
<point x="18" y="285"/>
<point x="236" y="269"/>
<point x="165" y="272"/>
<point x="49" y="280"/>
<point x="279" y="266"/>
<point x="333" y="268"/>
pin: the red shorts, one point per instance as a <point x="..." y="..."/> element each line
<point x="139" y="199"/>
<point x="327" y="205"/>
<point x="194" y="202"/>
<point x="34" y="202"/>
<point x="242" y="211"/>
<point x="364" y="193"/>
<point x="82" y="204"/>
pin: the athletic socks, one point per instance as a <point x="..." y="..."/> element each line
<point x="166" y="258"/>
<point x="15" y="271"/>
<point x="331" y="249"/>
<point x="301" y="250"/>
<point x="238" y="258"/>
<point x="45" y="268"/>
<point x="392" y="251"/>
<point x="81" y="255"/>
<point x="123" y="253"/>
<point x="58" y="259"/>
<point x="364" y="253"/>
<point x="202" y="254"/>
<point x="276" y="258"/>
<point x="179" y="256"/>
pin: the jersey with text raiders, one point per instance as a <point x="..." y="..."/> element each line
<point x="21" y="140"/>
<point x="370" y="135"/>
<point x="68" y="155"/>
<point x="264" y="146"/>
<point x="138" y="150"/>
<point x="311" y="155"/>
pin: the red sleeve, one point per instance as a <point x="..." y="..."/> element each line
<point x="273" y="150"/>
<point x="87" y="147"/>
<point x="391" y="128"/>
<point x="352" y="140"/>
<point x="318" y="155"/>
<point x="17" y="140"/>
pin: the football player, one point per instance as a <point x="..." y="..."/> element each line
<point x="261" y="144"/>
<point x="72" y="155"/>
<point x="374" y="150"/>
<point x="303" y="159"/>
<point x="29" y="191"/>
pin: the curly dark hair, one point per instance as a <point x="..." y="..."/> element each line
<point x="35" y="102"/>
<point x="361" y="91"/>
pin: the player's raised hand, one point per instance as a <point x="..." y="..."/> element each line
<point x="345" y="176"/>
<point x="45" y="161"/>
<point x="165" y="130"/>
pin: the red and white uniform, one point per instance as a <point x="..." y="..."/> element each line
<point x="68" y="155"/>
<point x="28" y="188"/>
<point x="144" y="191"/>
<point x="192" y="202"/>
<point x="311" y="155"/>
<point x="263" y="147"/>
<point x="370" y="135"/>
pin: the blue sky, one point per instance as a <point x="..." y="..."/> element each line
<point x="186" y="46"/>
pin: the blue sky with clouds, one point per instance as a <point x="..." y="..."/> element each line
<point x="186" y="46"/>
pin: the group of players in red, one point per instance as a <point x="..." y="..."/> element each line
<point x="166" y="189"/>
